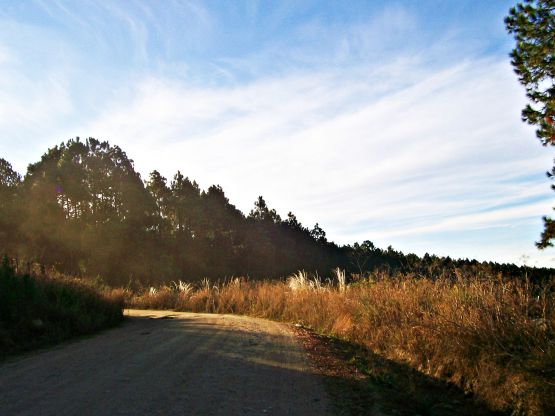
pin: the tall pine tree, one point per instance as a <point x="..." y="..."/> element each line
<point x="533" y="25"/>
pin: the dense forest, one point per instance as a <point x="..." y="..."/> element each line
<point x="84" y="210"/>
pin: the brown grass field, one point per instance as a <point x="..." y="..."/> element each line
<point x="492" y="337"/>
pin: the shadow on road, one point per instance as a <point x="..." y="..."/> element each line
<point x="197" y="364"/>
<point x="363" y="383"/>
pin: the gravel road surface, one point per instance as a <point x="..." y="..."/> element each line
<point x="168" y="363"/>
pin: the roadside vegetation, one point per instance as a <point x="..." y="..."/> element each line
<point x="41" y="310"/>
<point x="492" y="337"/>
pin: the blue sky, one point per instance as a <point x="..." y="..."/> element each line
<point x="397" y="122"/>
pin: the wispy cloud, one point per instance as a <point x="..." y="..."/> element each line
<point x="367" y="124"/>
<point x="385" y="158"/>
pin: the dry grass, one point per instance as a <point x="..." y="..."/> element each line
<point x="492" y="337"/>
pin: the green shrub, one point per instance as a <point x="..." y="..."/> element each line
<point x="40" y="310"/>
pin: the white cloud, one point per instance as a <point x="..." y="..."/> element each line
<point x="5" y="56"/>
<point x="442" y="151"/>
<point x="397" y="151"/>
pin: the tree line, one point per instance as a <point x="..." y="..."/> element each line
<point x="84" y="210"/>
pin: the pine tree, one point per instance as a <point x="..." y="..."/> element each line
<point x="9" y="212"/>
<point x="533" y="25"/>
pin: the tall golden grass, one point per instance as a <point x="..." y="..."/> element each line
<point x="492" y="337"/>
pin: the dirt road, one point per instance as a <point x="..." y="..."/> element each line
<point x="166" y="363"/>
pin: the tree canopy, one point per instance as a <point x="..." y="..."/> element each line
<point x="532" y="23"/>
<point x="84" y="210"/>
